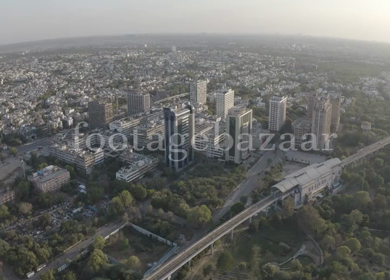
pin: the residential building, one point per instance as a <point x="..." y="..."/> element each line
<point x="301" y="127"/>
<point x="239" y="127"/>
<point x="277" y="112"/>
<point x="321" y="122"/>
<point x="336" y="106"/>
<point x="100" y="114"/>
<point x="198" y="92"/>
<point x="138" y="166"/>
<point x="224" y="102"/>
<point x="179" y="137"/>
<point x="50" y="179"/>
<point x="137" y="103"/>
<point x="311" y="100"/>
<point x="6" y="196"/>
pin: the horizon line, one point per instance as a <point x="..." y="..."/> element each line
<point x="238" y="33"/>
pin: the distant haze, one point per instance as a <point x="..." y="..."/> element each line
<point x="33" y="20"/>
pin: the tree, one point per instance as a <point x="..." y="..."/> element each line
<point x="328" y="242"/>
<point x="133" y="263"/>
<point x="353" y="244"/>
<point x="42" y="166"/>
<point x="199" y="216"/>
<point x="3" y="156"/>
<point x="4" y="213"/>
<point x="14" y="151"/>
<point x="380" y="202"/>
<point x="362" y="198"/>
<point x="255" y="263"/>
<point x="72" y="172"/>
<point x="50" y="275"/>
<point x="343" y="252"/>
<point x="70" y="276"/>
<point x="96" y="261"/>
<point x="296" y="264"/>
<point x="309" y="220"/>
<point x="99" y="243"/>
<point x="25" y="208"/>
<point x="288" y="206"/>
<point x="139" y="192"/>
<point x="4" y="248"/>
<point x="208" y="270"/>
<point x="126" y="198"/>
<point x="225" y="262"/>
<point x="244" y="199"/>
<point x="46" y="219"/>
<point x="125" y="218"/>
<point x="116" y="206"/>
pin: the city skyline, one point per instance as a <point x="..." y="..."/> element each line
<point x="42" y="20"/>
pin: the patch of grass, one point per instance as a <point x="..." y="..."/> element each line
<point x="269" y="240"/>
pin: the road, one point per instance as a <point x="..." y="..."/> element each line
<point x="104" y="231"/>
<point x="251" y="181"/>
<point x="32" y="146"/>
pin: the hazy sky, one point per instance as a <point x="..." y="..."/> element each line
<point x="28" y="20"/>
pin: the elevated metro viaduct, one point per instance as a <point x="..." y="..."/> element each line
<point x="302" y="184"/>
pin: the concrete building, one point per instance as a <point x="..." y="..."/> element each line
<point x="336" y="106"/>
<point x="138" y="166"/>
<point x="311" y="100"/>
<point x="198" y="92"/>
<point x="50" y="179"/>
<point x="127" y="125"/>
<point x="277" y="112"/>
<point x="321" y="121"/>
<point x="224" y="102"/>
<point x="239" y="127"/>
<point x="100" y="114"/>
<point x="137" y="103"/>
<point x="84" y="159"/>
<point x="6" y="196"/>
<point x="210" y="143"/>
<point x="301" y="127"/>
<point x="307" y="183"/>
<point x="179" y="136"/>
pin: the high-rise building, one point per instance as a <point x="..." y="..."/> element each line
<point x="239" y="127"/>
<point x="100" y="114"/>
<point x="198" y="92"/>
<point x="277" y="112"/>
<point x="321" y="122"/>
<point x="137" y="103"/>
<point x="311" y="100"/>
<point x="179" y="137"/>
<point x="225" y="101"/>
<point x="336" y="106"/>
<point x="301" y="127"/>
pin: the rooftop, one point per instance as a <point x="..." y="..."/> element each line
<point x="47" y="173"/>
<point x="306" y="175"/>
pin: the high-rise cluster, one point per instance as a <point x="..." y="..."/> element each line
<point x="322" y="118"/>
